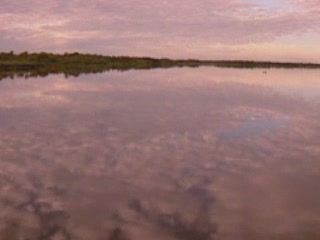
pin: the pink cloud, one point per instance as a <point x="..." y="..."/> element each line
<point x="160" y="28"/>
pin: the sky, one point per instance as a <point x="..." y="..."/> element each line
<point x="276" y="30"/>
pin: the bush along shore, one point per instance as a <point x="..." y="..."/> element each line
<point x="73" y="64"/>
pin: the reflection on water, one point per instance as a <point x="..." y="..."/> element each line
<point x="162" y="154"/>
<point x="251" y="128"/>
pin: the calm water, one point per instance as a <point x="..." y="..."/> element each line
<point x="186" y="154"/>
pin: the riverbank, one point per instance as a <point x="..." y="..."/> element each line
<point x="42" y="64"/>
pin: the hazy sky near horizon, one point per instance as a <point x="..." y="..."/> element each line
<point x="281" y="30"/>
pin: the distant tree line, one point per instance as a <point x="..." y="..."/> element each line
<point x="72" y="64"/>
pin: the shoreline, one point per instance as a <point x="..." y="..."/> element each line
<point x="27" y="60"/>
<point x="73" y="64"/>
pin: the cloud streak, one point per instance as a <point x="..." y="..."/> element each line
<point x="160" y="28"/>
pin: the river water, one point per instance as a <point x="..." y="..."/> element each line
<point x="182" y="153"/>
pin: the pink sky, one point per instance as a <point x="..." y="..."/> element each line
<point x="281" y="30"/>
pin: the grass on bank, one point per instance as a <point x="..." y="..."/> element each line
<point x="42" y="64"/>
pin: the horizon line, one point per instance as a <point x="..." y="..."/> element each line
<point x="159" y="58"/>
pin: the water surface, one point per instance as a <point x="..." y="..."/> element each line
<point x="207" y="153"/>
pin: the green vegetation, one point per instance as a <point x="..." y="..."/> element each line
<point x="72" y="64"/>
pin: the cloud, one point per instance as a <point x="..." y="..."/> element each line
<point x="160" y="28"/>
